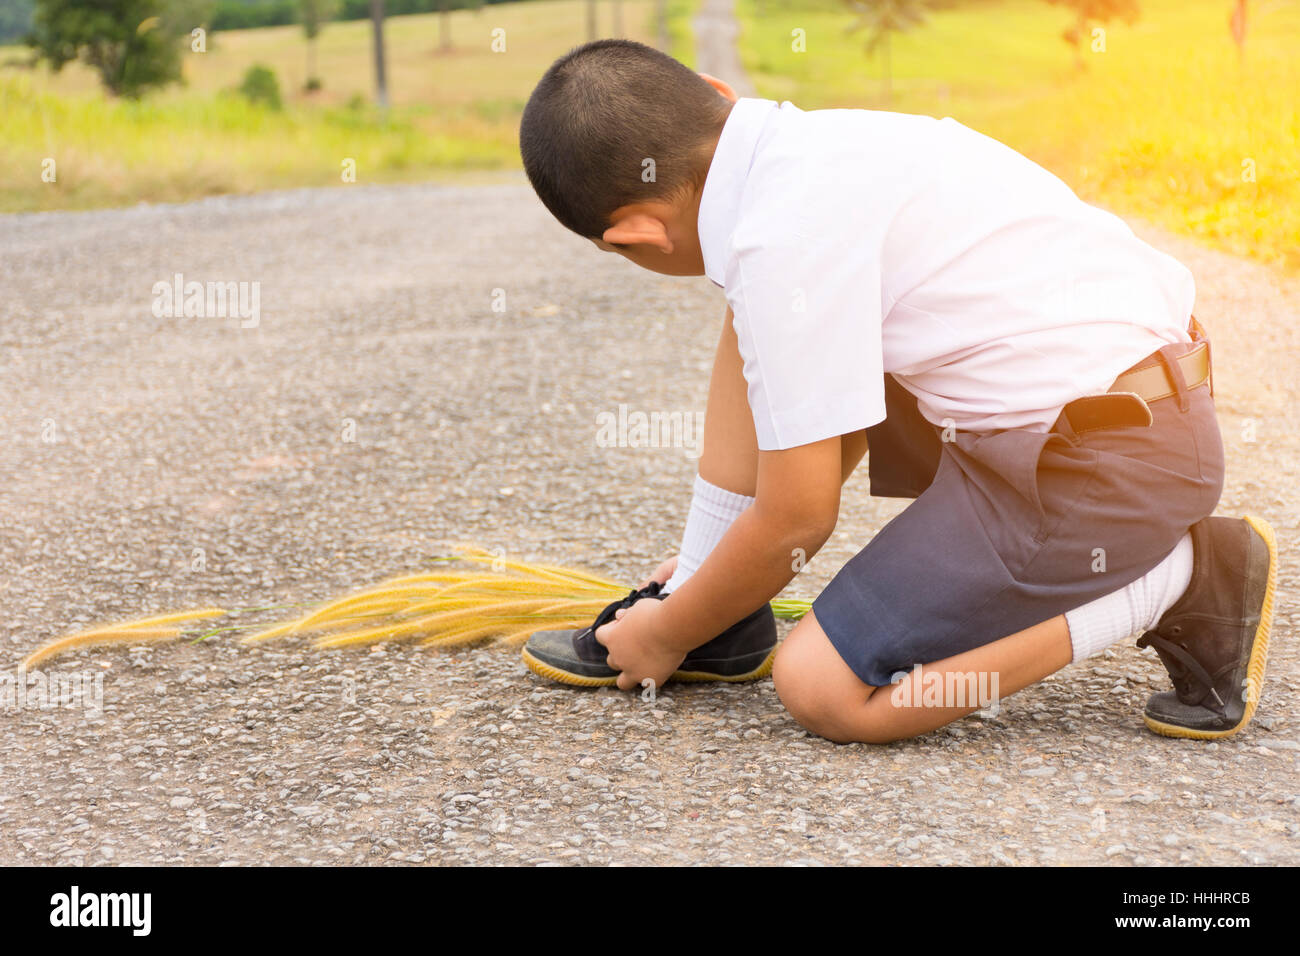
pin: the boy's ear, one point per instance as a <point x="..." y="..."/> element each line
<point x="721" y="86"/>
<point x="639" y="229"/>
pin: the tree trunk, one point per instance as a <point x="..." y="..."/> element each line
<point x="1238" y="25"/>
<point x="661" y="23"/>
<point x="889" y="79"/>
<point x="311" y="59"/>
<point x="618" y="18"/>
<point x="591" y="19"/>
<point x="1081" y="37"/>
<point x="444" y="27"/>
<point x="381" y="74"/>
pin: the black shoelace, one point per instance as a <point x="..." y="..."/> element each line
<point x="1187" y="673"/>
<point x="651" y="590"/>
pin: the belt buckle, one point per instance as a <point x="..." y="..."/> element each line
<point x="1198" y="334"/>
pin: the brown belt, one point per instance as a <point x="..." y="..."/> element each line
<point x="1127" y="402"/>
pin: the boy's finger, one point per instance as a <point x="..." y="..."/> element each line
<point x="601" y="634"/>
<point x="625" y="682"/>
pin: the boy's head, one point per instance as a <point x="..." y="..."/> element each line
<point x="617" y="139"/>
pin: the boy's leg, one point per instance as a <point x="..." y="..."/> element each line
<point x="729" y="455"/>
<point x="728" y="467"/>
<point x="824" y="694"/>
<point x="1206" y="607"/>
<point x="826" y="697"/>
<point x="970" y="557"/>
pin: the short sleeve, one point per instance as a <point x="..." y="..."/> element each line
<point x="808" y="322"/>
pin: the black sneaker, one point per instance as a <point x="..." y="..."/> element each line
<point x="742" y="652"/>
<point x="1214" y="640"/>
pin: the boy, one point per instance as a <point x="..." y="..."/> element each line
<point x="1016" y="360"/>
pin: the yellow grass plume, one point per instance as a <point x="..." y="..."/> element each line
<point x="128" y="632"/>
<point x="498" y="598"/>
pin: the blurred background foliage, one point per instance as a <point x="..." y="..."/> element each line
<point x="1183" y="112"/>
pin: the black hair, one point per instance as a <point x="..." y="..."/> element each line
<point x="615" y="122"/>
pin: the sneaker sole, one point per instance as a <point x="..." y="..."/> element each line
<point x="554" y="673"/>
<point x="1258" y="652"/>
<point x="700" y="677"/>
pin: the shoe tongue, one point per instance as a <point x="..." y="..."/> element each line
<point x="584" y="641"/>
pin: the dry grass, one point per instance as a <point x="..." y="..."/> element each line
<point x="454" y="114"/>
<point x="506" y="602"/>
<point x="128" y="632"/>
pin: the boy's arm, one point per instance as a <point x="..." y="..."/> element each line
<point x="794" y="511"/>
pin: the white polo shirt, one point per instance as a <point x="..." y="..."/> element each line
<point x="856" y="242"/>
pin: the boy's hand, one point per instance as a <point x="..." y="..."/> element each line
<point x="637" y="647"/>
<point x="663" y="572"/>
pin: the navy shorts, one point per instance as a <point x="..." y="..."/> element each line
<point x="1013" y="527"/>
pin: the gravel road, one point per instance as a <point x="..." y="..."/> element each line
<point x="382" y="407"/>
<point x="716" y="53"/>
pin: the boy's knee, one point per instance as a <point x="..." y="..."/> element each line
<point x="824" y="695"/>
<point x="799" y="675"/>
<point x="794" y="687"/>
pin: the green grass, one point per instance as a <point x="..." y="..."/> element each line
<point x="451" y="112"/>
<point x="1159" y="125"/>
<point x="681" y="32"/>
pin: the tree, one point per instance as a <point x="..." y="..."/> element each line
<point x="260" y="86"/>
<point x="881" y="19"/>
<point x="444" y="26"/>
<point x="1088" y="12"/>
<point x="591" y="20"/>
<point x="132" y="44"/>
<point x="313" y="15"/>
<point x="1237" y="24"/>
<point x="15" y="20"/>
<point x="444" y="19"/>
<point x="381" y="74"/>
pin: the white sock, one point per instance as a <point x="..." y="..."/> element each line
<point x="713" y="510"/>
<point x="1100" y="623"/>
